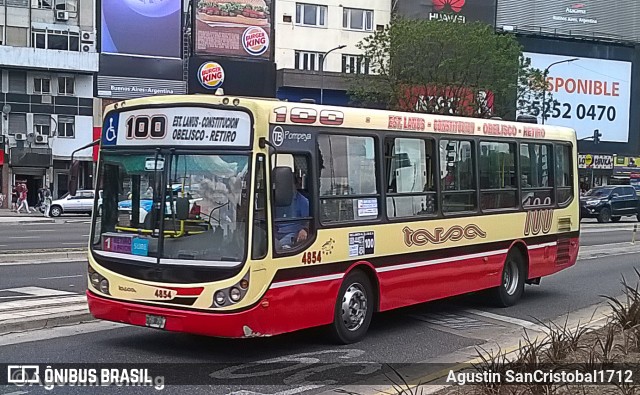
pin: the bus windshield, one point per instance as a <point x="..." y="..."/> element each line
<point x="205" y="206"/>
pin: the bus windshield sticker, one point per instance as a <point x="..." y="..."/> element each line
<point x="361" y="243"/>
<point x="367" y="207"/>
<point x="151" y="164"/>
<point x="178" y="126"/>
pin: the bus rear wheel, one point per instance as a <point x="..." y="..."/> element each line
<point x="354" y="309"/>
<point x="512" y="284"/>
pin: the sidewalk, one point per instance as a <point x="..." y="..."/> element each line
<point x="8" y="216"/>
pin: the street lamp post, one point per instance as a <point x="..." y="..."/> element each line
<point x="324" y="56"/>
<point x="545" y="73"/>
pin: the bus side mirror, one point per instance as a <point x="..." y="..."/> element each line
<point x="282" y="186"/>
<point x="182" y="208"/>
<point x="72" y="185"/>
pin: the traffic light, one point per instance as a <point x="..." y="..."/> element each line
<point x="596" y="136"/>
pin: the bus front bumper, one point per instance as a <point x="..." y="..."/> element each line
<point x="241" y="324"/>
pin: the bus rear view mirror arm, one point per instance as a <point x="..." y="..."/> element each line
<point x="72" y="185"/>
<point x="283" y="185"/>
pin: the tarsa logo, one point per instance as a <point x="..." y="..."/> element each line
<point x="421" y="237"/>
<point x="455" y="5"/>
<point x="211" y="75"/>
<point x="255" y="40"/>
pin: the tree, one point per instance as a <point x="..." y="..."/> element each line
<point x="446" y="68"/>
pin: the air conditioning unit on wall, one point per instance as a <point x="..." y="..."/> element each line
<point x="20" y="137"/>
<point x="62" y="15"/>
<point x="85" y="47"/>
<point x="41" y="139"/>
<point x="87" y="36"/>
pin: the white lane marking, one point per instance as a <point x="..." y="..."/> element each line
<point x="62" y="259"/>
<point x="439" y="261"/>
<point x="56" y="277"/>
<point x="75" y="243"/>
<point x="57" y="332"/>
<point x="309" y="280"/>
<point x="17" y="393"/>
<point x="45" y="303"/>
<point x="40" y="230"/>
<point x="38" y="291"/>
<point x="291" y="391"/>
<point x="23" y="237"/>
<point x="508" y="320"/>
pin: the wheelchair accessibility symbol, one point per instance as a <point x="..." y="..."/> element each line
<point x="111" y="131"/>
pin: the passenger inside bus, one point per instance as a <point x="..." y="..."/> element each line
<point x="291" y="232"/>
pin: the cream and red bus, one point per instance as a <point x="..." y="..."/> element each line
<point x="239" y="217"/>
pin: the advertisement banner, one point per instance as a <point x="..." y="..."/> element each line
<point x="234" y="76"/>
<point x="239" y="28"/>
<point x="588" y="161"/>
<point x="588" y="94"/>
<point x="442" y="100"/>
<point x="147" y="28"/>
<point x="618" y="19"/>
<point x="461" y="11"/>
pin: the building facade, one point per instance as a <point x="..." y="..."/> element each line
<point x="590" y="52"/>
<point x="48" y="60"/>
<point x="305" y="31"/>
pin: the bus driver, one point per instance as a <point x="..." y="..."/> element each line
<point x="293" y="231"/>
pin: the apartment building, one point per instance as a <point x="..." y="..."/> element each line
<point x="307" y="32"/>
<point x="47" y="62"/>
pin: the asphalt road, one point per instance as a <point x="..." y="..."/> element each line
<point x="414" y="334"/>
<point x="71" y="232"/>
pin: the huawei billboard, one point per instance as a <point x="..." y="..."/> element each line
<point x="461" y="11"/>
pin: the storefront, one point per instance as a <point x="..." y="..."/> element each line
<point x="626" y="170"/>
<point x="595" y="170"/>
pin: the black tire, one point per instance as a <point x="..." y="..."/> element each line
<point x="55" y="211"/>
<point x="604" y="215"/>
<point x="513" y="277"/>
<point x="616" y="218"/>
<point x="355" y="292"/>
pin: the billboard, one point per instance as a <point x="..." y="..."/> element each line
<point x="618" y="19"/>
<point x="588" y="94"/>
<point x="142" y="27"/>
<point x="235" y="76"/>
<point x="237" y="28"/>
<point x="449" y="10"/>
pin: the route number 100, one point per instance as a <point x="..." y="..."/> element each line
<point x="142" y="127"/>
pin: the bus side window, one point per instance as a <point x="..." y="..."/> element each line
<point x="292" y="224"/>
<point x="259" y="247"/>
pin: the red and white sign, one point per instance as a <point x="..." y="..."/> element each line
<point x="211" y="75"/>
<point x="442" y="100"/>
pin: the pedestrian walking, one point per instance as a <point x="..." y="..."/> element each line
<point x="23" y="199"/>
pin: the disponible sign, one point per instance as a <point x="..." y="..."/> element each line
<point x="180" y="126"/>
<point x="588" y="161"/>
<point x="588" y="94"/>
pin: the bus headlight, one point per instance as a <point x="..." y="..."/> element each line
<point x="95" y="280"/>
<point x="104" y="286"/>
<point x="233" y="294"/>
<point x="220" y="298"/>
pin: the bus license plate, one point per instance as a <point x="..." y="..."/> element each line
<point x="156" y="321"/>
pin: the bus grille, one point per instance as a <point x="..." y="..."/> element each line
<point x="564" y="224"/>
<point x="562" y="253"/>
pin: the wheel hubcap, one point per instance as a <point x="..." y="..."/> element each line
<point x="354" y="307"/>
<point x="510" y="277"/>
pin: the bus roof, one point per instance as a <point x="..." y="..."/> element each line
<point x="307" y="114"/>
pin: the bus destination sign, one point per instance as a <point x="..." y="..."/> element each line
<point x="178" y="126"/>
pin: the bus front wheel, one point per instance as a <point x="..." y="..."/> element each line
<point x="513" y="278"/>
<point x="354" y="308"/>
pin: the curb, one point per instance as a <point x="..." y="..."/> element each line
<point x="29" y="256"/>
<point x="46" y="321"/>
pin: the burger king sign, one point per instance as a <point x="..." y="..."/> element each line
<point x="211" y="75"/>
<point x="255" y="40"/>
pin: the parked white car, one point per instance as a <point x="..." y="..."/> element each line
<point x="81" y="203"/>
